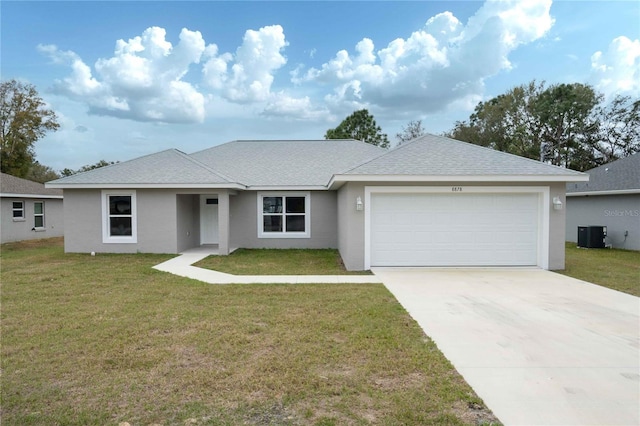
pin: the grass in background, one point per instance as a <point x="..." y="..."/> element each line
<point x="613" y="268"/>
<point x="107" y="339"/>
<point x="279" y="262"/>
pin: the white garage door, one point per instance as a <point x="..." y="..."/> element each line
<point x="445" y="229"/>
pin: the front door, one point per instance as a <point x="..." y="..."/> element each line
<point x="208" y="219"/>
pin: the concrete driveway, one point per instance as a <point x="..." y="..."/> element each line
<point x="538" y="347"/>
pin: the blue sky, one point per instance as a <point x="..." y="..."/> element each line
<point x="132" y="78"/>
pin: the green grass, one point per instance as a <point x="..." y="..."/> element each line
<point x="107" y="339"/>
<point x="612" y="268"/>
<point x="279" y="262"/>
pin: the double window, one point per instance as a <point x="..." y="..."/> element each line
<point x="119" y="217"/>
<point x="283" y="215"/>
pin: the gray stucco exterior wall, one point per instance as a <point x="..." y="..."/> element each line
<point x="22" y="229"/>
<point x="244" y="223"/>
<point x="619" y="213"/>
<point x="351" y="226"/>
<point x="351" y="222"/>
<point x="557" y="223"/>
<point x="168" y="221"/>
<point x="156" y="219"/>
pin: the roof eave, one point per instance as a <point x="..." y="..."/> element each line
<point x="144" y="185"/>
<point x="287" y="188"/>
<point x="610" y="192"/>
<point x="41" y="196"/>
<point x="338" y="180"/>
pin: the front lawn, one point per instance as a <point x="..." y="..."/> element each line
<point x="107" y="339"/>
<point x="612" y="268"/>
<point x="279" y="262"/>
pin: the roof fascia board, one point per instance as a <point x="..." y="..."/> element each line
<point x="144" y="185"/>
<point x="611" y="192"/>
<point x="12" y="195"/>
<point x="287" y="188"/>
<point x="457" y="178"/>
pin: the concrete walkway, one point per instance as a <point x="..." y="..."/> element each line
<point x="182" y="266"/>
<point x="538" y="347"/>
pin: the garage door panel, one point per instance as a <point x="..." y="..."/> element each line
<point x="454" y="230"/>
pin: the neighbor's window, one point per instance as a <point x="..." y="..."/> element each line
<point x="119" y="217"/>
<point x="18" y="210"/>
<point x="283" y="216"/>
<point x="38" y="214"/>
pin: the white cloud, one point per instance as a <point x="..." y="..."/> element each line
<point x="283" y="105"/>
<point x="443" y="63"/>
<point x="618" y="69"/>
<point x="247" y="76"/>
<point x="143" y="80"/>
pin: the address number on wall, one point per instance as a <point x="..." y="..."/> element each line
<point x="456" y="189"/>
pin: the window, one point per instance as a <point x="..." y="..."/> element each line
<point x="18" y="210"/>
<point x="283" y="215"/>
<point x="119" y="217"/>
<point x="38" y="215"/>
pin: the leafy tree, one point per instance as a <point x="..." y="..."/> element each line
<point x="618" y="129"/>
<point x="563" y="124"/>
<point x="505" y="123"/>
<point x="24" y="119"/>
<point x="361" y="126"/>
<point x="41" y="173"/>
<point x="564" y="114"/>
<point x="101" y="163"/>
<point x="412" y="130"/>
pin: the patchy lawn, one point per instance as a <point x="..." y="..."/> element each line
<point x="279" y="262"/>
<point x="612" y="268"/>
<point x="107" y="339"/>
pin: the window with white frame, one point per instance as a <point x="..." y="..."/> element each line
<point x="17" y="208"/>
<point x="283" y="215"/>
<point x="119" y="224"/>
<point x="38" y="215"/>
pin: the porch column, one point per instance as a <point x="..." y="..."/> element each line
<point x="223" y="222"/>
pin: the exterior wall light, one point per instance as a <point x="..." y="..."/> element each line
<point x="359" y="205"/>
<point x="557" y="203"/>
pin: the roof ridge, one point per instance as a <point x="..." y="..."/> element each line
<point x="114" y="164"/>
<point x="505" y="153"/>
<point x="627" y="159"/>
<point x="363" y="163"/>
<point x="395" y="148"/>
<point x="204" y="166"/>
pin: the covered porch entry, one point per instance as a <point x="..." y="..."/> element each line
<point x="203" y="220"/>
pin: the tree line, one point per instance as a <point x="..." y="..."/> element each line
<point x="568" y="125"/>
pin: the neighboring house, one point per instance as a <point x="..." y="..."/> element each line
<point x="29" y="210"/>
<point x="430" y="202"/>
<point x="611" y="198"/>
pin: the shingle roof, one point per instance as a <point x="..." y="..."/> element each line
<point x="287" y="163"/>
<point x="622" y="174"/>
<point x="165" y="167"/>
<point x="432" y="155"/>
<point x="313" y="163"/>
<point x="15" y="185"/>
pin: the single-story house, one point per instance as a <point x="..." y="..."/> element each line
<point x="611" y="198"/>
<point x="28" y="210"/>
<point x="433" y="201"/>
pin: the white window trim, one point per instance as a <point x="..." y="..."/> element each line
<point x="108" y="239"/>
<point x="284" y="234"/>
<point x="21" y="218"/>
<point x="44" y="225"/>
